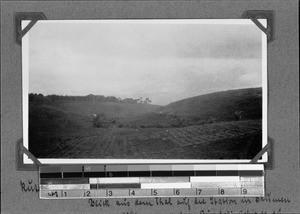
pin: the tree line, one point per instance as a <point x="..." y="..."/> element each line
<point x="40" y="98"/>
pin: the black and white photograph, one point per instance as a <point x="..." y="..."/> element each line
<point x="151" y="89"/>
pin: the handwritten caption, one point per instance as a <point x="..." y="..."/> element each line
<point x="29" y="186"/>
<point x="194" y="203"/>
<point x="186" y="203"/>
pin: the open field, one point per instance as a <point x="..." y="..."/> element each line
<point x="143" y="131"/>
<point x="224" y="140"/>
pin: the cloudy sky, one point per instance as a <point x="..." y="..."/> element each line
<point x="164" y="61"/>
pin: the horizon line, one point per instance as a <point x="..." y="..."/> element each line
<point x="146" y="97"/>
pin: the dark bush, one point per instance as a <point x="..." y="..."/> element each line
<point x="175" y="126"/>
<point x="100" y="121"/>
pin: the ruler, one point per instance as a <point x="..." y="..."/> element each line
<point x="135" y="181"/>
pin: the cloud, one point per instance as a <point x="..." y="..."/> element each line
<point x="162" y="62"/>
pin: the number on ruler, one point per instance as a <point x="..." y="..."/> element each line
<point x="154" y="192"/>
<point x="222" y="191"/>
<point x="176" y="192"/>
<point x="109" y="193"/>
<point x="64" y="193"/>
<point x="110" y="174"/>
<point x="55" y="194"/>
<point x="244" y="191"/>
<point x="86" y="193"/>
<point x="131" y="192"/>
<point x="198" y="191"/>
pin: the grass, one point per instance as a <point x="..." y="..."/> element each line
<point x="65" y="130"/>
<point x="220" y="105"/>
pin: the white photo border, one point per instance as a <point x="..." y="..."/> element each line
<point x="25" y="92"/>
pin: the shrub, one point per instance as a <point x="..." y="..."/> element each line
<point x="134" y="126"/>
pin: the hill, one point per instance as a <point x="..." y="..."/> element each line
<point x="218" y="106"/>
<point x="110" y="109"/>
<point x="78" y="113"/>
<point x="197" y="127"/>
<point x="49" y="122"/>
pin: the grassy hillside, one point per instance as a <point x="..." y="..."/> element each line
<point x="110" y="109"/>
<point x="198" y="127"/>
<point x="203" y="109"/>
<point x="50" y="122"/>
<point x="152" y="119"/>
<point x="220" y="105"/>
<point x="223" y="140"/>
